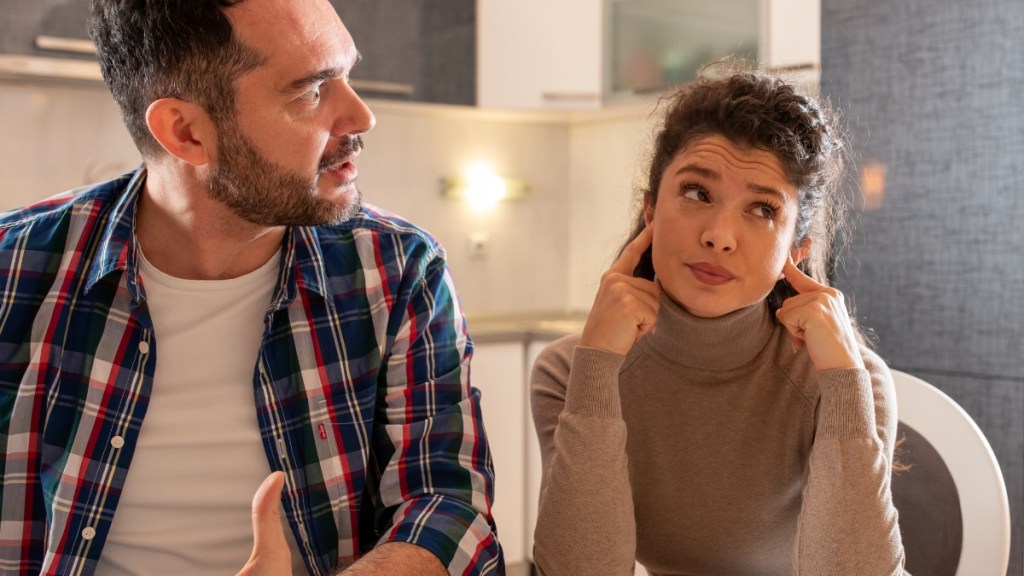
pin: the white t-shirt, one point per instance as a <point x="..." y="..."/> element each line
<point x="187" y="502"/>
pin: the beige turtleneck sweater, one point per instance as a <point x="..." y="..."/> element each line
<point x="713" y="448"/>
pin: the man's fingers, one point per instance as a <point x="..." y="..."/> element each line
<point x="631" y="254"/>
<point x="270" y="553"/>
<point x="800" y="282"/>
<point x="268" y="529"/>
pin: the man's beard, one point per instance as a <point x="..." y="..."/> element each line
<point x="263" y="193"/>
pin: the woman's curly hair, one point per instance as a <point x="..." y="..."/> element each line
<point x="756" y="110"/>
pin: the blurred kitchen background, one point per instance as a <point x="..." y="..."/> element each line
<point x="558" y="97"/>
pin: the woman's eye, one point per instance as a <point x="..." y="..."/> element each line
<point x="694" y="192"/>
<point x="765" y="211"/>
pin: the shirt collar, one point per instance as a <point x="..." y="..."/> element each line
<point x="302" y="261"/>
<point x="117" y="250"/>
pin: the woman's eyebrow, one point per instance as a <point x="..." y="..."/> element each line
<point x="768" y="191"/>
<point x="698" y="170"/>
<point x="710" y="174"/>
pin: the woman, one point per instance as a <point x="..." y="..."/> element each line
<point x="713" y="418"/>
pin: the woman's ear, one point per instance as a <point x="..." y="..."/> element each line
<point x="648" y="212"/>
<point x="183" y="129"/>
<point x="800" y="252"/>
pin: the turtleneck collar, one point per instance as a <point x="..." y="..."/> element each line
<point x="715" y="344"/>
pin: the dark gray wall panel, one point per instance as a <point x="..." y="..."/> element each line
<point x="448" y="72"/>
<point x="23" y="20"/>
<point x="931" y="90"/>
<point x="387" y="34"/>
<point x="427" y="44"/>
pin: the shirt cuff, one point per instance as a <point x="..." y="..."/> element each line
<point x="461" y="538"/>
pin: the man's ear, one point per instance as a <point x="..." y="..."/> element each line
<point x="183" y="129"/>
<point x="648" y="212"/>
<point x="800" y="252"/>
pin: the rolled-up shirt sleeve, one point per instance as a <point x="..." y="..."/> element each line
<point x="430" y="449"/>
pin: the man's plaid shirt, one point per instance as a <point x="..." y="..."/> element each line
<point x="361" y="388"/>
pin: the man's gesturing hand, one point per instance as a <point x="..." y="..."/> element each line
<point x="270" y="553"/>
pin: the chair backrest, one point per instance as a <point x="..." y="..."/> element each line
<point x="938" y="432"/>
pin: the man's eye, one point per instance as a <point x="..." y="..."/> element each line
<point x="311" y="95"/>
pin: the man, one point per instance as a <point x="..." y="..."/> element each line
<point x="230" y="309"/>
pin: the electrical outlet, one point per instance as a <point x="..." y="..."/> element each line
<point x="477" y="245"/>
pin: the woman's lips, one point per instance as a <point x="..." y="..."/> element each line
<point x="710" y="274"/>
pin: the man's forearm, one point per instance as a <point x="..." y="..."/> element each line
<point x="397" y="559"/>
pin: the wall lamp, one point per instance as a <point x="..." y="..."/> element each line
<point x="481" y="188"/>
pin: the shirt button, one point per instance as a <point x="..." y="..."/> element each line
<point x="144" y="347"/>
<point x="89" y="533"/>
<point x="117" y="442"/>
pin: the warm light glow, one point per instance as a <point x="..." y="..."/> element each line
<point x="484" y="188"/>
<point x="872" y="185"/>
<point x="481" y="188"/>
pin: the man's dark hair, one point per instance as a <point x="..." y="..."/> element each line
<point x="152" y="49"/>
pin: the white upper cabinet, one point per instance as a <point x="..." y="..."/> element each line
<point x="549" y="54"/>
<point x="793" y="34"/>
<point x="539" y="54"/>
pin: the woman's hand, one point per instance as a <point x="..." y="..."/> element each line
<point x="270" y="553"/>
<point x="625" y="307"/>
<point x="817" y="318"/>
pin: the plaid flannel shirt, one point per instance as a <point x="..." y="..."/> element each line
<point x="361" y="388"/>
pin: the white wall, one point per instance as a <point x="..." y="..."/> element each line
<point x="413" y="147"/>
<point x="545" y="252"/>
<point x="607" y="151"/>
<point x="56" y="137"/>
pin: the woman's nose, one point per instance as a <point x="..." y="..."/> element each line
<point x="719" y="233"/>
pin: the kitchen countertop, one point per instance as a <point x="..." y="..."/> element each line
<point x="524" y="326"/>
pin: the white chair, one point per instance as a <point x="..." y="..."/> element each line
<point x="984" y="507"/>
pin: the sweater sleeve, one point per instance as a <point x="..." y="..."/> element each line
<point x="585" y="522"/>
<point x="848" y="524"/>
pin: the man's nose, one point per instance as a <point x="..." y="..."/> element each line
<point x="352" y="115"/>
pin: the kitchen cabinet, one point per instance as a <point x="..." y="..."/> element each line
<point x="539" y="54"/>
<point x="655" y="44"/>
<point x="422" y="51"/>
<point x="793" y="35"/>
<point x="587" y="53"/>
<point x="505" y="350"/>
<point x="32" y="27"/>
<point x="501" y="370"/>
<point x="419" y="51"/>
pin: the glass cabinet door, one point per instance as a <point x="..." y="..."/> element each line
<point x="652" y="45"/>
